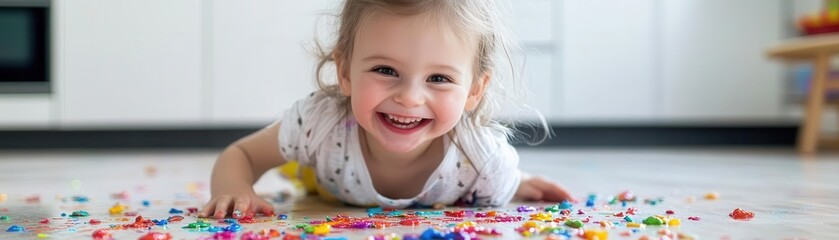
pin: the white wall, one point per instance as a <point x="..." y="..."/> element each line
<point x="200" y="63"/>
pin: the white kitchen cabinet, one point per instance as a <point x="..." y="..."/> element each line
<point x="607" y="66"/>
<point x="25" y="111"/>
<point x="713" y="62"/>
<point x="124" y="64"/>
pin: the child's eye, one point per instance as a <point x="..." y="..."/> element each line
<point x="386" y="71"/>
<point x="439" y="79"/>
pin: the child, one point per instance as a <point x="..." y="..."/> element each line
<point x="409" y="123"/>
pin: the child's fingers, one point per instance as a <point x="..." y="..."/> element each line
<point x="241" y="207"/>
<point x="209" y="207"/>
<point x="222" y="205"/>
<point x="264" y="207"/>
<point x="552" y="191"/>
<point x="528" y="191"/>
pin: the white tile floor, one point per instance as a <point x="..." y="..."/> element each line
<point x="792" y="197"/>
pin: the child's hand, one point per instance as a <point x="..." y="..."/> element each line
<point x="237" y="205"/>
<point x="536" y="188"/>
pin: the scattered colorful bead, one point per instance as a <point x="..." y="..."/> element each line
<point x="80" y="213"/>
<point x="740" y="214"/>
<point x="15" y="228"/>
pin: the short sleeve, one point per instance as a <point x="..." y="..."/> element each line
<point x="306" y="124"/>
<point x="496" y="162"/>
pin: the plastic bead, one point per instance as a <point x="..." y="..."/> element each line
<point x="653" y="221"/>
<point x="524" y="208"/>
<point x="116" y="209"/>
<point x="81" y="199"/>
<point x="80" y="213"/>
<point x="634" y="225"/>
<point x="740" y="214"/>
<point x="593" y="234"/>
<point x="102" y="234"/>
<point x="541" y="217"/>
<point x="674" y="222"/>
<point x="321" y="230"/>
<point x="565" y="205"/>
<point x="15" y="228"/>
<point x="712" y="196"/>
<point x="574" y="223"/>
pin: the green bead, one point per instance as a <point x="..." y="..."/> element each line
<point x="574" y="223"/>
<point x="80" y="213"/>
<point x="653" y="221"/>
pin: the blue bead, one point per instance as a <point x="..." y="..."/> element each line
<point x="565" y="205"/>
<point x="432" y="234"/>
<point x="16" y="228"/>
<point x="175" y="211"/>
<point x="282" y="217"/>
<point x="146" y="203"/>
<point x="234" y="227"/>
<point x="590" y="203"/>
<point x="374" y="210"/>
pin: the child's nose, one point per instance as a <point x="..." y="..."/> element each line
<point x="410" y="94"/>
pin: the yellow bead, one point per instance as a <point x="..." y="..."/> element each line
<point x="3" y="197"/>
<point x="467" y="224"/>
<point x="635" y="225"/>
<point x="541" y="217"/>
<point x="322" y="230"/>
<point x="529" y="224"/>
<point x="116" y="209"/>
<point x="712" y="196"/>
<point x="42" y="235"/>
<point x="596" y="235"/>
<point x="674" y="222"/>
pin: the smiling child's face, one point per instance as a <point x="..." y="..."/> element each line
<point x="410" y="80"/>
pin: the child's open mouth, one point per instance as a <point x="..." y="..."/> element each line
<point x="403" y="124"/>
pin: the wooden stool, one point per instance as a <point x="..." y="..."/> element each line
<point x="817" y="49"/>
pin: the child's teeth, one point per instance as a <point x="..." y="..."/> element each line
<point x="405" y="120"/>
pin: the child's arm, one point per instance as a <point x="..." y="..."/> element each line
<point x="236" y="170"/>
<point x="537" y="188"/>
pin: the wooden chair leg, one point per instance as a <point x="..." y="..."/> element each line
<point x="809" y="133"/>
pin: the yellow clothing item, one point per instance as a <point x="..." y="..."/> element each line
<point x="303" y="177"/>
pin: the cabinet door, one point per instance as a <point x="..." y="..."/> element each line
<point x="128" y="63"/>
<point x="713" y="59"/>
<point x="25" y="111"/>
<point x="261" y="60"/>
<point x="607" y="69"/>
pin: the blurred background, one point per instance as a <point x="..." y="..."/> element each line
<point x="194" y="73"/>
